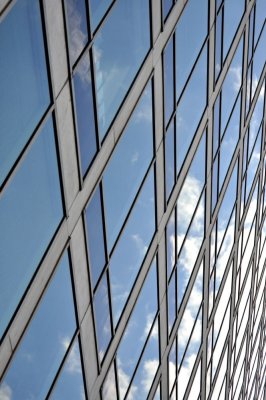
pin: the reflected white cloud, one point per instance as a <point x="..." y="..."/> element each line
<point x="77" y="38"/>
<point x="150" y="368"/>
<point x="5" y="392"/>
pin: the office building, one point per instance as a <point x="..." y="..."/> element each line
<point x="133" y="199"/>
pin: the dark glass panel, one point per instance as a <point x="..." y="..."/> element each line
<point x="94" y="220"/>
<point x="128" y="166"/>
<point x="23" y="80"/>
<point x="30" y="212"/>
<point x="85" y="113"/>
<point x="119" y="50"/>
<point x="46" y="340"/>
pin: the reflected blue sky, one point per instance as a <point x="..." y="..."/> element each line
<point x="30" y="212"/>
<point x="119" y="50"/>
<point x="23" y="80"/>
<point x="46" y="340"/>
<point x="128" y="166"/>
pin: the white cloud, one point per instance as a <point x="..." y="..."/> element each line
<point x="73" y="361"/>
<point x="135" y="158"/>
<point x="109" y="387"/>
<point x="236" y="74"/>
<point x="149" y="321"/>
<point x="5" y="392"/>
<point x="77" y="38"/>
<point x="142" y="248"/>
<point x="150" y="368"/>
<point x="124" y="380"/>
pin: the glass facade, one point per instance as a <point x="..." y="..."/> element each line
<point x="133" y="200"/>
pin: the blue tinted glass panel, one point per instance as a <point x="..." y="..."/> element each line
<point x="171" y="243"/>
<point x="77" y="27"/>
<point x="233" y="11"/>
<point x="229" y="142"/>
<point x="109" y="391"/>
<point x="218" y="45"/>
<point x="23" y="80"/>
<point x="216" y="126"/>
<point x="94" y="220"/>
<point x="85" y="113"/>
<point x="260" y="18"/>
<point x="258" y="60"/>
<point x="97" y="10"/>
<point x="119" y="50"/>
<point x="194" y="98"/>
<point x="137" y="329"/>
<point x="46" y="340"/>
<point x="171" y="302"/>
<point x="147" y="368"/>
<point x="191" y="32"/>
<point x="169" y="159"/>
<point x="168" y="63"/>
<point x="231" y="85"/>
<point x="132" y="246"/>
<point x="30" y="212"/>
<point x="167" y="5"/>
<point x="127" y="167"/>
<point x="102" y="317"/>
<point x="70" y="384"/>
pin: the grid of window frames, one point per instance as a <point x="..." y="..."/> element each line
<point x="150" y="283"/>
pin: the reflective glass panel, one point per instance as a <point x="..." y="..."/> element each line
<point x="170" y="159"/>
<point x="94" y="222"/>
<point x="70" y="384"/>
<point x="85" y="113"/>
<point x="260" y="18"/>
<point x="97" y="11"/>
<point x="119" y="50"/>
<point x="46" y="340"/>
<point x="77" y="27"/>
<point x="231" y="85"/>
<point x="168" y="63"/>
<point x="171" y="243"/>
<point x="30" y="212"/>
<point x="137" y="330"/>
<point x="127" y="167"/>
<point x="194" y="98"/>
<point x="109" y="391"/>
<point x="147" y="367"/>
<point x="233" y="11"/>
<point x="132" y="246"/>
<point x="102" y="317"/>
<point x="167" y="5"/>
<point x="23" y="80"/>
<point x="191" y="32"/>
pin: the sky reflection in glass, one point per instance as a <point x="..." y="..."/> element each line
<point x="46" y="340"/>
<point x="30" y="212"/>
<point x="119" y="50"/>
<point x="23" y="80"/>
<point x="70" y="384"/>
<point x="128" y="166"/>
<point x="132" y="246"/>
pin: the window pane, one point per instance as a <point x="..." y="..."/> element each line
<point x="109" y="391"/>
<point x="194" y="98"/>
<point x="147" y="368"/>
<point x="171" y="243"/>
<point x="137" y="330"/>
<point x="169" y="159"/>
<point x="233" y="11"/>
<point x="23" y="80"/>
<point x="128" y="166"/>
<point x="132" y="246"/>
<point x="85" y="113"/>
<point x="77" y="27"/>
<point x="168" y="63"/>
<point x="70" y="384"/>
<point x="97" y="10"/>
<point x="231" y="85"/>
<point x="189" y="41"/>
<point x="167" y="5"/>
<point x="119" y="50"/>
<point x="94" y="221"/>
<point x="102" y="317"/>
<point x="46" y="340"/>
<point x="30" y="212"/>
<point x="218" y="45"/>
<point x="260" y="18"/>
